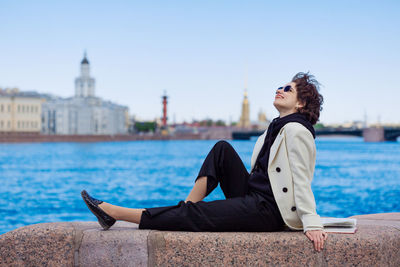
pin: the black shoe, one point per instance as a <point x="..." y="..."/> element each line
<point x="105" y="220"/>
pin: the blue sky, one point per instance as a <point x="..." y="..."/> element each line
<point x="199" y="51"/>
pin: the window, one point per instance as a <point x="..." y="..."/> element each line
<point x="9" y="108"/>
<point x="1" y="107"/>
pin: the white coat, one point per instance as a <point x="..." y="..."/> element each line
<point x="291" y="167"/>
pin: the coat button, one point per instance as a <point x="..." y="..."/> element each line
<point x="278" y="169"/>
<point x="293" y="208"/>
<point x="284" y="189"/>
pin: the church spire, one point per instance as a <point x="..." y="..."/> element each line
<point x="244" y="121"/>
<point x="85" y="60"/>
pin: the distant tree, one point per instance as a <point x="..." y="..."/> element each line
<point x="145" y="126"/>
<point x="319" y="126"/>
<point x="220" y="123"/>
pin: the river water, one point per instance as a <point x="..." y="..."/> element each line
<point x="41" y="182"/>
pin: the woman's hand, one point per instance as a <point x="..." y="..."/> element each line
<point x="317" y="237"/>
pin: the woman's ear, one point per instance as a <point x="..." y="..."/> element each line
<point x="299" y="105"/>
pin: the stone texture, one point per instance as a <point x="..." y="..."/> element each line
<point x="229" y="249"/>
<point x="44" y="244"/>
<point x="384" y="219"/>
<point x="376" y="243"/>
<point x="395" y="224"/>
<point x="393" y="216"/>
<point x="122" y="245"/>
<point x="370" y="245"/>
<point x="74" y="244"/>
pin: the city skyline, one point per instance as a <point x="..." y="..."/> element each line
<point x="194" y="51"/>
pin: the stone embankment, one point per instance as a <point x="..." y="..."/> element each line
<point x="376" y="243"/>
<point x="204" y="134"/>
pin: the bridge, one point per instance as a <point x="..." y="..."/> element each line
<point x="369" y="134"/>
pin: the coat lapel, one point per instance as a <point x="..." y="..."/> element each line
<point x="273" y="150"/>
<point x="275" y="146"/>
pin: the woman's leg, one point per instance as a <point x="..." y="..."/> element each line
<point x="198" y="191"/>
<point x="239" y="211"/>
<point x="224" y="166"/>
<point x="122" y="213"/>
<point x="233" y="214"/>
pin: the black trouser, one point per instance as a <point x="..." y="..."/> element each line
<point x="242" y="210"/>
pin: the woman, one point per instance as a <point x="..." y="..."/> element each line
<point x="275" y="195"/>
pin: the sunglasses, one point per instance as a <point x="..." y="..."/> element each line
<point x="287" y="88"/>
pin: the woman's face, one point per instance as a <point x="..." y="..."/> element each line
<point x="286" y="102"/>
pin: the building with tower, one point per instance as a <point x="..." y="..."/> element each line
<point x="84" y="84"/>
<point x="244" y="121"/>
<point x="84" y="113"/>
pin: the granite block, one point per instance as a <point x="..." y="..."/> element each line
<point x="231" y="249"/>
<point x="122" y="245"/>
<point x="370" y="245"/>
<point x="44" y="244"/>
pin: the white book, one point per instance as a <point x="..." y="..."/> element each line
<point x="339" y="225"/>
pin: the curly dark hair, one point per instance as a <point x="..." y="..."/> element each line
<point x="307" y="93"/>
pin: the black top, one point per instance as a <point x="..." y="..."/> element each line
<point x="259" y="179"/>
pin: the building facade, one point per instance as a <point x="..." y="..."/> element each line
<point x="84" y="114"/>
<point x="20" y="111"/>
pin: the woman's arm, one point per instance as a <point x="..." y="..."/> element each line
<point x="302" y="154"/>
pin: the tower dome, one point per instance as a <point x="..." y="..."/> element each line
<point x="85" y="60"/>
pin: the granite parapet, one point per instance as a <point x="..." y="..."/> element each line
<point x="376" y="242"/>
